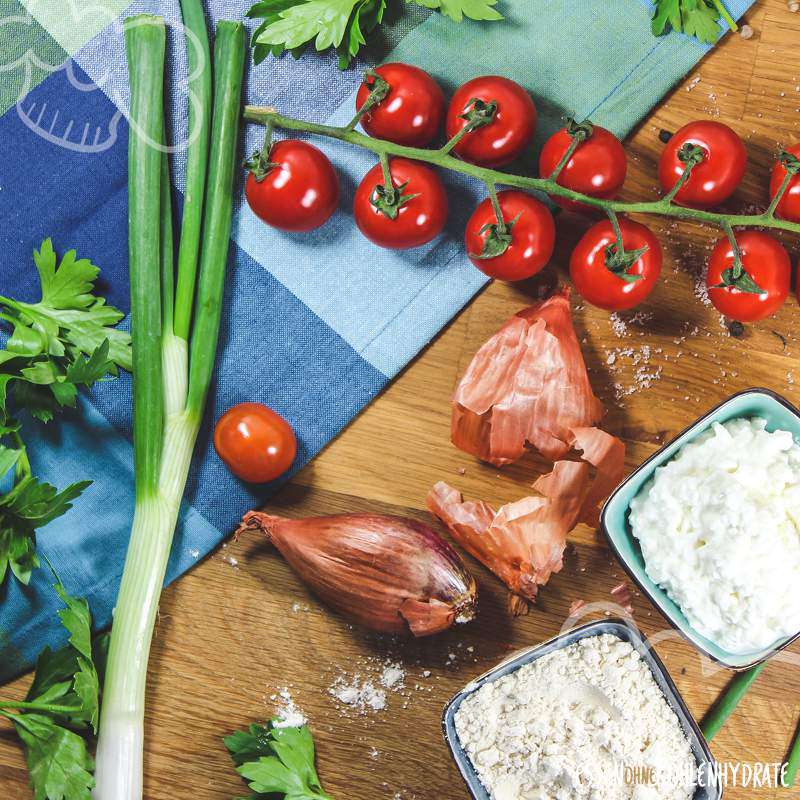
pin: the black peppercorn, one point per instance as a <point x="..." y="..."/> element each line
<point x="735" y="329"/>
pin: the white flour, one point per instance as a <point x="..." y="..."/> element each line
<point x="288" y="714"/>
<point x="566" y="726"/>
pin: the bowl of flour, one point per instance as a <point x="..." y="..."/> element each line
<point x="589" y="715"/>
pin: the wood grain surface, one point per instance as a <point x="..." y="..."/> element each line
<point x="240" y="628"/>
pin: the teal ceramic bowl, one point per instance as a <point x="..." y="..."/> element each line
<point x="779" y="414"/>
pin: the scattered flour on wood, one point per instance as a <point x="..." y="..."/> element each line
<point x="288" y="714"/>
<point x="360" y="695"/>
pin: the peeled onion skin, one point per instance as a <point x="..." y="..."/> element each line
<point x="389" y="574"/>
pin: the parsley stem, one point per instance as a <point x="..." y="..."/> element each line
<point x="48" y="708"/>
<point x="723" y="12"/>
<point x="442" y="159"/>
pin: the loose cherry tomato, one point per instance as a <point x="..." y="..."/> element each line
<point x="719" y="174"/>
<point x="256" y="444"/>
<point x="420" y="215"/>
<point x="597" y="167"/>
<point x="298" y="194"/>
<point x="789" y="206"/>
<point x="508" y="133"/>
<point x="530" y="237"/>
<point x="607" y="282"/>
<point x="766" y="263"/>
<point x="412" y="111"/>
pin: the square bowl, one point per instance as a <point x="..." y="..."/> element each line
<point x="622" y="630"/>
<point x="614" y="519"/>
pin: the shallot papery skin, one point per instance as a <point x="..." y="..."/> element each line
<point x="386" y="573"/>
<point x="527" y="384"/>
<point x="523" y="543"/>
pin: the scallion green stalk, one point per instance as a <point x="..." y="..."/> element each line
<point x="199" y="87"/>
<point x="170" y="385"/>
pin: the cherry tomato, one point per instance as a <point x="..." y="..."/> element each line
<point x="765" y="261"/>
<point x="418" y="220"/>
<point x="789" y="206"/>
<point x="532" y="230"/>
<point x="601" y="285"/>
<point x="717" y="177"/>
<point x="510" y="131"/>
<point x="597" y="168"/>
<point x="411" y="113"/>
<point x="300" y="193"/>
<point x="256" y="444"/>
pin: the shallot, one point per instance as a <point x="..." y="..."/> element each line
<point x="386" y="573"/>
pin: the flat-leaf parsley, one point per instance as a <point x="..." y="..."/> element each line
<point x="64" y="341"/>
<point x="698" y="18"/>
<point x="342" y="24"/>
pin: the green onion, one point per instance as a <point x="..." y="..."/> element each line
<point x="145" y="42"/>
<point x="170" y="386"/>
<point x="724" y="707"/>
<point x="199" y="87"/>
<point x="792" y="763"/>
<point x="228" y="70"/>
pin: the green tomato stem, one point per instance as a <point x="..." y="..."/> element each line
<point x="787" y="179"/>
<point x="498" y="212"/>
<point x="379" y="90"/>
<point x="685" y="175"/>
<point x="578" y="137"/>
<point x="440" y="158"/>
<point x="388" y="184"/>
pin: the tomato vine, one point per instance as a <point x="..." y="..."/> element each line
<point x="440" y="157"/>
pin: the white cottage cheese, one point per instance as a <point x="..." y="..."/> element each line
<point x="566" y="727"/>
<point x="719" y="527"/>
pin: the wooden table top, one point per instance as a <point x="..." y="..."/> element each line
<point x="240" y="628"/>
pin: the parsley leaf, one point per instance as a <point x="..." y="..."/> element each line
<point x="458" y="9"/>
<point x="58" y="761"/>
<point x="64" y="341"/>
<point x="62" y="705"/>
<point x="698" y="18"/>
<point x="29" y="505"/>
<point x="342" y="24"/>
<point x="276" y="761"/>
